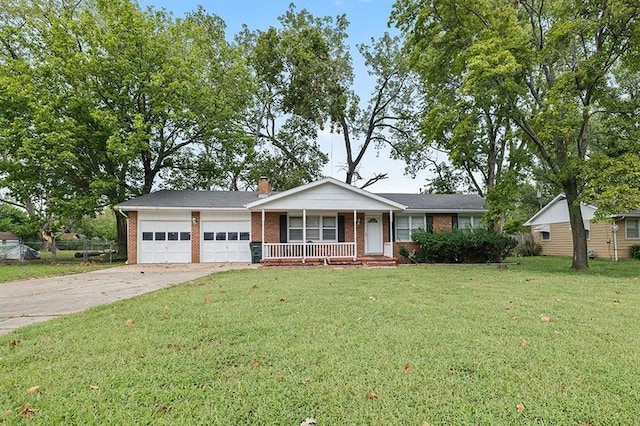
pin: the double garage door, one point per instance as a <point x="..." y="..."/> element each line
<point x="166" y="237"/>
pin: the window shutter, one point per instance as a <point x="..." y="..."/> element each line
<point x="429" y="223"/>
<point x="392" y="224"/>
<point x="454" y="221"/>
<point x="341" y="228"/>
<point x="283" y="228"/>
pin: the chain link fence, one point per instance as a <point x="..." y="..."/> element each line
<point x="63" y="251"/>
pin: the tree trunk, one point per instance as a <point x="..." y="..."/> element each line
<point x="577" y="226"/>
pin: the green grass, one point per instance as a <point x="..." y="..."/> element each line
<point x="21" y="271"/>
<point x="436" y="344"/>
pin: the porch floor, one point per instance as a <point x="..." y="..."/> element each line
<point x="367" y="261"/>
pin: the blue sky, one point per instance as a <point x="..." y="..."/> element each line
<point x="368" y="18"/>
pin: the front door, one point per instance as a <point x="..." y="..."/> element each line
<point x="373" y="235"/>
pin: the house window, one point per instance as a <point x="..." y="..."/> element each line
<point x="209" y="236"/>
<point x="244" y="236"/>
<point x="160" y="236"/>
<point x="469" y="222"/>
<point x="319" y="228"/>
<point x="185" y="236"/>
<point x="632" y="229"/>
<point x="172" y="236"/>
<point x="407" y="225"/>
<point x="546" y="236"/>
<point x="147" y="236"/>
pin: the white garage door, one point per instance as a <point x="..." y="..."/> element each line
<point x="226" y="238"/>
<point x="164" y="240"/>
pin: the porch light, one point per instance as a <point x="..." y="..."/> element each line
<point x="194" y="220"/>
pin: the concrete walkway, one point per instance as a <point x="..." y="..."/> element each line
<point x="30" y="301"/>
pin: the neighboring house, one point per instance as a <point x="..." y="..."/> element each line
<point x="8" y="238"/>
<point x="325" y="221"/>
<point x="605" y="239"/>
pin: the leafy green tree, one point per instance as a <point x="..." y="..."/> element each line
<point x="547" y="67"/>
<point x="392" y="115"/>
<point x="108" y="97"/>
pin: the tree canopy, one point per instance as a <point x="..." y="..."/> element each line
<point x="550" y="69"/>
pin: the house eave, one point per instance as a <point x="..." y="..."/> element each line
<point x="185" y="208"/>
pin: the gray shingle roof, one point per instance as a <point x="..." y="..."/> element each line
<point x="238" y="199"/>
<point x="195" y="199"/>
<point x="438" y="202"/>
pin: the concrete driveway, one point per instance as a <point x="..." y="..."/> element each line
<point x="30" y="301"/>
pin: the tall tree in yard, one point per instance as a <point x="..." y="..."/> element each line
<point x="549" y="68"/>
<point x="107" y="97"/>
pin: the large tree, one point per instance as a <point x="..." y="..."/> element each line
<point x="391" y="116"/>
<point x="102" y="97"/>
<point x="548" y="67"/>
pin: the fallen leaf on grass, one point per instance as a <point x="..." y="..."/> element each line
<point x="544" y="318"/>
<point x="208" y="300"/>
<point x="425" y="423"/>
<point x="282" y="299"/>
<point x="94" y="388"/>
<point x="34" y="389"/>
<point x="524" y="343"/>
<point x="309" y="421"/>
<point x="618" y="291"/>
<point x="129" y="323"/>
<point x="255" y="363"/>
<point x="255" y="287"/>
<point x="520" y="408"/>
<point x="451" y="371"/>
<point x="279" y="377"/>
<point x="201" y="324"/>
<point x="305" y="381"/>
<point x="14" y="343"/>
<point x="372" y="395"/>
<point x="26" y="410"/>
<point x="407" y="368"/>
<point x="514" y="318"/>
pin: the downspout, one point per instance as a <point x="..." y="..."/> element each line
<point x="614" y="229"/>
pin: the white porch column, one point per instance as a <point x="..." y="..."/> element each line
<point x="262" y="236"/>
<point x="391" y="227"/>
<point x="304" y="235"/>
<point x="355" y="235"/>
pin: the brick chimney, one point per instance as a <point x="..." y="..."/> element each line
<point x="264" y="187"/>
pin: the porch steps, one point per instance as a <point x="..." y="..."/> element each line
<point x="366" y="261"/>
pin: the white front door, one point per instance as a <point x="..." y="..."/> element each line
<point x="373" y="235"/>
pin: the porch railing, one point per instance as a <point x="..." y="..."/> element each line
<point x="308" y="250"/>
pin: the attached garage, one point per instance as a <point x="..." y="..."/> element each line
<point x="164" y="237"/>
<point x="189" y="226"/>
<point x="225" y="237"/>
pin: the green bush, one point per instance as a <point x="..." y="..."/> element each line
<point x="463" y="246"/>
<point x="635" y="251"/>
<point x="528" y="248"/>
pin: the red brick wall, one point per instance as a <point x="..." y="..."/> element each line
<point x="195" y="237"/>
<point x="132" y="238"/>
<point x="271" y="226"/>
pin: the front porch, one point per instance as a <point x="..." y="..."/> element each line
<point x="323" y="253"/>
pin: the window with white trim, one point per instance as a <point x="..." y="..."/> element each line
<point x="406" y="225"/>
<point x="319" y="228"/>
<point x="546" y="236"/>
<point x="469" y="222"/>
<point x="632" y="227"/>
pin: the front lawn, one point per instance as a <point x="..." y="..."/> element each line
<point x="440" y="345"/>
<point x="14" y="271"/>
